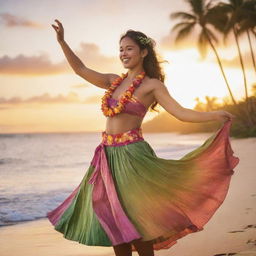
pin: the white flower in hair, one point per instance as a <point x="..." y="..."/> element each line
<point x="144" y="40"/>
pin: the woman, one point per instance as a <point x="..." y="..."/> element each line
<point x="129" y="198"/>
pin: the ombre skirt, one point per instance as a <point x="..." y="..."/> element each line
<point x="130" y="193"/>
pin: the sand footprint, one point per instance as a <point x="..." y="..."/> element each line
<point x="225" y="254"/>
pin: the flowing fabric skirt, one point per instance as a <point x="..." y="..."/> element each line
<point x="129" y="193"/>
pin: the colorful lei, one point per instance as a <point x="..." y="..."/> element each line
<point x="111" y="111"/>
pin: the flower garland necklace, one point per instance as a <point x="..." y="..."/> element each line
<point x="111" y="111"/>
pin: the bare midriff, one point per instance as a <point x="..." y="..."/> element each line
<point x="122" y="122"/>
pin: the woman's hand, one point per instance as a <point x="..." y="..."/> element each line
<point x="59" y="30"/>
<point x="222" y="115"/>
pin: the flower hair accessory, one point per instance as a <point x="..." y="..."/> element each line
<point x="144" y="40"/>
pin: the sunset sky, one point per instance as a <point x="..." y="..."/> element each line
<point x="39" y="91"/>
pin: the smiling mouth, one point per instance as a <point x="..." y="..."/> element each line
<point x="125" y="60"/>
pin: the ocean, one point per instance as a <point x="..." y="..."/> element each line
<point x="38" y="171"/>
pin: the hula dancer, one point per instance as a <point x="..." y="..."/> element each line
<point x="130" y="198"/>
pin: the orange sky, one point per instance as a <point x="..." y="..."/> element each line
<point x="41" y="93"/>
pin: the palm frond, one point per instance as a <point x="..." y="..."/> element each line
<point x="236" y="3"/>
<point x="184" y="32"/>
<point x="182" y="15"/>
<point x="212" y="36"/>
<point x="247" y="19"/>
<point x="238" y="11"/>
<point x="202" y="43"/>
<point x="218" y="17"/>
<point x="197" y="6"/>
<point x="246" y="24"/>
<point x="210" y="4"/>
<point x="251" y="4"/>
<point x="180" y="25"/>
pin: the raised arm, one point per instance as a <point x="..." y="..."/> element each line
<point x="163" y="97"/>
<point x="99" y="79"/>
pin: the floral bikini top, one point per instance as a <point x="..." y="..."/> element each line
<point x="133" y="106"/>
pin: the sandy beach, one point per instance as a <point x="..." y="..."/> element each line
<point x="231" y="230"/>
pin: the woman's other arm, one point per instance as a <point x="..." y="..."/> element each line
<point x="99" y="79"/>
<point x="163" y="97"/>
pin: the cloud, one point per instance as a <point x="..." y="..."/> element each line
<point x="96" y="99"/>
<point x="45" y="98"/>
<point x="235" y="62"/>
<point x="10" y="21"/>
<point x="33" y="66"/>
<point x="81" y="86"/>
<point x="41" y="65"/>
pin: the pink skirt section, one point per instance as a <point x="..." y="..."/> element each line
<point x="104" y="198"/>
<point x="130" y="193"/>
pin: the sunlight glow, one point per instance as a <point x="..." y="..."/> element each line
<point x="187" y="78"/>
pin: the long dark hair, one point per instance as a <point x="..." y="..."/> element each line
<point x="151" y="63"/>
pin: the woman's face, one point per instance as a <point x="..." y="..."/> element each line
<point x="129" y="53"/>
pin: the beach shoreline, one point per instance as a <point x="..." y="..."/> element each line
<point x="232" y="229"/>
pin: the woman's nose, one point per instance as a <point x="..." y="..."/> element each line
<point x="124" y="53"/>
<point x="123" y="56"/>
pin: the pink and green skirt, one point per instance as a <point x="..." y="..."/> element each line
<point x="130" y="193"/>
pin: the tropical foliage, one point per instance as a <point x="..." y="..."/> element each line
<point x="229" y="18"/>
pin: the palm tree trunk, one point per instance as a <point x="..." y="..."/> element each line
<point x="251" y="49"/>
<point x="241" y="62"/>
<point x="254" y="65"/>
<point x="248" y="112"/>
<point x="243" y="115"/>
<point x="254" y="32"/>
<point x="221" y="68"/>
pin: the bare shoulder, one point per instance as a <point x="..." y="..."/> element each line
<point x="154" y="84"/>
<point x="112" y="77"/>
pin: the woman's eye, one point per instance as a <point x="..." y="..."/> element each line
<point x="127" y="49"/>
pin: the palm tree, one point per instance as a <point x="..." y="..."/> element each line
<point x="248" y="24"/>
<point x="236" y="12"/>
<point x="233" y="9"/>
<point x="199" y="15"/>
<point x="210" y="105"/>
